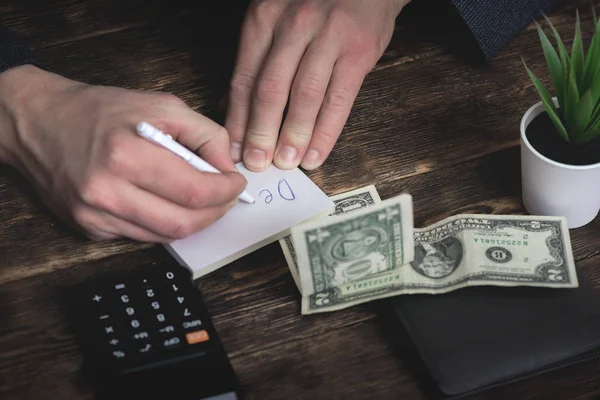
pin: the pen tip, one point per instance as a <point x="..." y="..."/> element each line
<point x="246" y="197"/>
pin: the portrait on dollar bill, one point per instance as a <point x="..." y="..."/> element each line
<point x="438" y="260"/>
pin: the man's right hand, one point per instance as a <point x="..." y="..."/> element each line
<point x="77" y="145"/>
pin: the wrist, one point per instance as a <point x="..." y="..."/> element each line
<point x="7" y="119"/>
<point x="22" y="90"/>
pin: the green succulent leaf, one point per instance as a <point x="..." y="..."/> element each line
<point x="562" y="50"/>
<point x="557" y="72"/>
<point x="595" y="118"/>
<point x="548" y="104"/>
<point x="577" y="58"/>
<point x="596" y="112"/>
<point x="593" y="126"/>
<point x="595" y="87"/>
<point x="571" y="104"/>
<point x="595" y="65"/>
<point x="592" y="62"/>
<point x="565" y="61"/>
<point x="582" y="115"/>
<point x="587" y="136"/>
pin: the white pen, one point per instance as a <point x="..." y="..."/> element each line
<point x="155" y="135"/>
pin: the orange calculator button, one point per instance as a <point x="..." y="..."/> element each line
<point x="196" y="337"/>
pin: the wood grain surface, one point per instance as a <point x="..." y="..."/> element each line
<point x="425" y="122"/>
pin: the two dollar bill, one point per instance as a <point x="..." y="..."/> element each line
<point x="368" y="249"/>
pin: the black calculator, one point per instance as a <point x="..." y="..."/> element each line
<point x="146" y="334"/>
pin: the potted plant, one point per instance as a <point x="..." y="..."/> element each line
<point x="560" y="135"/>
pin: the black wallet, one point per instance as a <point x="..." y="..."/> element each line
<point x="472" y="339"/>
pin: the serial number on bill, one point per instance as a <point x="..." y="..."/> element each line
<point x="502" y="241"/>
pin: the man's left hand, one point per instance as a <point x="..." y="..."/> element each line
<point x="314" y="53"/>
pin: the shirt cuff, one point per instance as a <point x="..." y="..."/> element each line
<point x="14" y="54"/>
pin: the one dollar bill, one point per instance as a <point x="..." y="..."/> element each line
<point x="344" y="203"/>
<point x="369" y="242"/>
<point x="467" y="250"/>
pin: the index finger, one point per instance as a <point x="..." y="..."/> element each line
<point x="158" y="171"/>
<point x="202" y="136"/>
<point x="255" y="42"/>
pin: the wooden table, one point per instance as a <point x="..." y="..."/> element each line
<point x="425" y="122"/>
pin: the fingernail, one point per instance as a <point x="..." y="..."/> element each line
<point x="236" y="151"/>
<point x="256" y="158"/>
<point x="311" y="160"/>
<point x="286" y="157"/>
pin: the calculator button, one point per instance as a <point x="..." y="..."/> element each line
<point x="172" y="342"/>
<point x="184" y="300"/>
<point x="191" y="324"/>
<point x="155" y="305"/>
<point x="141" y="335"/>
<point x="173" y="274"/>
<point x="183" y="297"/>
<point x="135" y="323"/>
<point x="125" y="299"/>
<point x="167" y="329"/>
<point x="167" y="276"/>
<point x="146" y="348"/>
<point x="100" y="303"/>
<point x="142" y="279"/>
<point x="145" y="282"/>
<point x="196" y="337"/>
<point x="120" y="286"/>
<point x="118" y="354"/>
<point x="161" y="317"/>
<point x="113" y="343"/>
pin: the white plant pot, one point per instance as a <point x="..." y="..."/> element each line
<point x="556" y="189"/>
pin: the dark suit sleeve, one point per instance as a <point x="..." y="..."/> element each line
<point x="476" y="30"/>
<point x="494" y="23"/>
<point x="13" y="53"/>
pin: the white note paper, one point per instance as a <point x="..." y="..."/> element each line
<point x="284" y="198"/>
